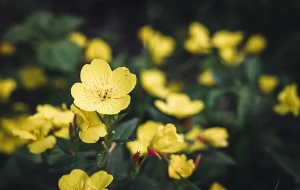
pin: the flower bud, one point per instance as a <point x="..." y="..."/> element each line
<point x="135" y="158"/>
<point x="196" y="163"/>
<point x="71" y="130"/>
<point x="153" y="153"/>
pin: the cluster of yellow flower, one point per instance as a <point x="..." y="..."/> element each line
<point x="96" y="48"/>
<point x="226" y="42"/>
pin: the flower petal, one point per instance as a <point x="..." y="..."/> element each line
<point x="93" y="133"/>
<point x="113" y="106"/>
<point x="123" y="82"/>
<point x="97" y="74"/>
<point x="40" y="146"/>
<point x="23" y="134"/>
<point x="83" y="97"/>
<point x="101" y="179"/>
<point x="137" y="146"/>
<point x="77" y="179"/>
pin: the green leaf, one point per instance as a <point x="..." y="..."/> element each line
<point x="189" y="185"/>
<point x="117" y="164"/>
<point x="218" y="157"/>
<point x="102" y="158"/>
<point x="62" y="55"/>
<point x="158" y="116"/>
<point x="18" y="34"/>
<point x="62" y="26"/>
<point x="124" y="130"/>
<point x="252" y="69"/>
<point x="245" y="103"/>
<point x="55" y="155"/>
<point x="123" y="140"/>
<point x="213" y="98"/>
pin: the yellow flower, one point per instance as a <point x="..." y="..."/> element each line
<point x="207" y="78"/>
<point x="78" y="38"/>
<point x="80" y="180"/>
<point x="98" y="49"/>
<point x="174" y="86"/>
<point x="8" y="143"/>
<point x="267" y="83"/>
<point x="180" y="164"/>
<point x="199" y="40"/>
<point x="215" y="136"/>
<point x="7" y="86"/>
<point x="231" y="56"/>
<point x="32" y="77"/>
<point x="217" y="186"/>
<point x="59" y="82"/>
<point x="60" y="119"/>
<point x="10" y="123"/>
<point x="7" y="48"/>
<point x="154" y="81"/>
<point x="166" y="140"/>
<point x="91" y="128"/>
<point x="179" y="105"/>
<point x="160" y="47"/>
<point x="36" y="130"/>
<point x="227" y="39"/>
<point x="145" y="134"/>
<point x="20" y="106"/>
<point x="145" y="34"/>
<point x="288" y="101"/>
<point x="255" y="44"/>
<point x="102" y="89"/>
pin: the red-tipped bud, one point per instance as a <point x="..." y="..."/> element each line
<point x="196" y="163"/>
<point x="153" y="153"/>
<point x="200" y="138"/>
<point x="135" y="158"/>
<point x="71" y="151"/>
<point x="112" y="147"/>
<point x="75" y="120"/>
<point x="188" y="122"/>
<point x="71" y="130"/>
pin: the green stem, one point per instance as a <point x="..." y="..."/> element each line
<point x="165" y="158"/>
<point x="145" y="157"/>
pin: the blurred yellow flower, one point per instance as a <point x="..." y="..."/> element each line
<point x="78" y="38"/>
<point x="10" y="123"/>
<point x="215" y="136"/>
<point x="59" y="82"/>
<point x="199" y="40"/>
<point x="7" y="86"/>
<point x="36" y="130"/>
<point x="145" y="134"/>
<point x="7" y="48"/>
<point x="98" y="49"/>
<point x="217" y="186"/>
<point x="227" y="39"/>
<point x="255" y="44"/>
<point x="179" y="105"/>
<point x="91" y="128"/>
<point x="288" y="101"/>
<point x="154" y="81"/>
<point x="207" y="78"/>
<point x="60" y="119"/>
<point x="231" y="56"/>
<point x="78" y="179"/>
<point x="20" y="106"/>
<point x="267" y="83"/>
<point x="174" y="86"/>
<point x="8" y="143"/>
<point x="145" y="33"/>
<point x="180" y="164"/>
<point x="102" y="89"/>
<point x="166" y="140"/>
<point x="32" y="77"/>
<point x="160" y="47"/>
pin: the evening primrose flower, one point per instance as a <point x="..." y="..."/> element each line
<point x="145" y="134"/>
<point x="267" y="83"/>
<point x="199" y="40"/>
<point x="288" y="101"/>
<point x="217" y="186"/>
<point x="231" y="56"/>
<point x="167" y="140"/>
<point x="179" y="105"/>
<point x="7" y="48"/>
<point x="7" y="86"/>
<point x="78" y="38"/>
<point x="91" y="128"/>
<point x="80" y="180"/>
<point x="32" y="77"/>
<point x="255" y="44"/>
<point x="102" y="89"/>
<point x="144" y="34"/>
<point x="160" y="47"/>
<point x="227" y="39"/>
<point x="8" y="143"/>
<point x="194" y="142"/>
<point x="98" y="49"/>
<point x="154" y="82"/>
<point x="180" y="164"/>
<point x="207" y="78"/>
<point x="36" y="130"/>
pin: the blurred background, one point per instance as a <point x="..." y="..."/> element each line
<point x="265" y="150"/>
